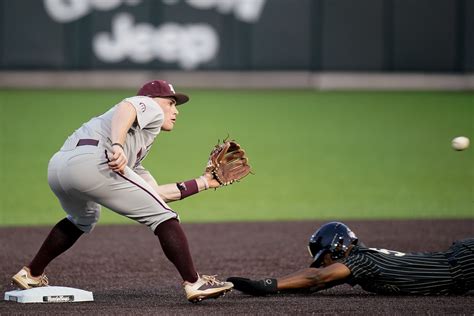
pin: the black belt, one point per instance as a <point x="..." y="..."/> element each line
<point x="87" y="142"/>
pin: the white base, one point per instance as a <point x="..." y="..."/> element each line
<point x="49" y="294"/>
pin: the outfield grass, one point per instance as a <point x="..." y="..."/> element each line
<point x="315" y="155"/>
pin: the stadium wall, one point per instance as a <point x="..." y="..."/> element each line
<point x="319" y="44"/>
<point x="429" y="36"/>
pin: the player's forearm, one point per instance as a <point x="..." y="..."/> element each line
<point x="315" y="278"/>
<point x="123" y="118"/>
<point x="168" y="192"/>
<point x="302" y="279"/>
<point x="178" y="191"/>
<point x="171" y="192"/>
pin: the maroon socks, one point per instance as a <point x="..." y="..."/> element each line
<point x="175" y="246"/>
<point x="60" y="239"/>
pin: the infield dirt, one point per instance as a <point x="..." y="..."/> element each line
<point x="129" y="274"/>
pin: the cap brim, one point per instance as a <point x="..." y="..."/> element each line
<point x="181" y="98"/>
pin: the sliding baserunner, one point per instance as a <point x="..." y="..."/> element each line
<point x="339" y="257"/>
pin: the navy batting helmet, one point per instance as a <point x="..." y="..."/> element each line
<point x="333" y="237"/>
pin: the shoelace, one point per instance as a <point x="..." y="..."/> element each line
<point x="44" y="279"/>
<point x="211" y="280"/>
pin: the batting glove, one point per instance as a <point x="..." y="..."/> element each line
<point x="255" y="287"/>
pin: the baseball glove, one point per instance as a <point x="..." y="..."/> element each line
<point x="228" y="163"/>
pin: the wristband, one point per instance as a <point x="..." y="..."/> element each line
<point x="118" y="144"/>
<point x="255" y="287"/>
<point x="206" y="184"/>
<point x="267" y="286"/>
<point x="187" y="188"/>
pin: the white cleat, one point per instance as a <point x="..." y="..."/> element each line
<point x="24" y="280"/>
<point x="207" y="286"/>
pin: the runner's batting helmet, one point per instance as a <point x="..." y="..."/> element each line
<point x="333" y="237"/>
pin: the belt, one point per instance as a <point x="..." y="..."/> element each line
<point x="87" y="141"/>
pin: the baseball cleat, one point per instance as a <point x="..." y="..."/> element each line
<point x="25" y="280"/>
<point x="207" y="286"/>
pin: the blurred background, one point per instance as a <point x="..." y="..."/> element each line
<point x="346" y="108"/>
<point x="305" y="38"/>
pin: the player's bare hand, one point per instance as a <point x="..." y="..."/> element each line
<point x="213" y="183"/>
<point x="118" y="161"/>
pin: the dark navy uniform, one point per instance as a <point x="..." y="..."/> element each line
<point x="391" y="272"/>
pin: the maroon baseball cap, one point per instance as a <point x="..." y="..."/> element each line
<point x="163" y="89"/>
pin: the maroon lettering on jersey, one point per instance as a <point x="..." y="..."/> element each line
<point x="142" y="154"/>
<point x="139" y="157"/>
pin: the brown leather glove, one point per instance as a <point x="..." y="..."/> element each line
<point x="228" y="163"/>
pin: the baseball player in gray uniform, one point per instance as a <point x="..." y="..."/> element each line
<point x="100" y="164"/>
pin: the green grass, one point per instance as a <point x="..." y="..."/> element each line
<point x="315" y="155"/>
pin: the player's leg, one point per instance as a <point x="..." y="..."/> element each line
<point x="175" y="246"/>
<point x="63" y="235"/>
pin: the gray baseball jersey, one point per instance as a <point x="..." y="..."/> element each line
<point x="140" y="137"/>
<point x="81" y="179"/>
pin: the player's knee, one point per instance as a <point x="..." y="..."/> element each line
<point x="165" y="224"/>
<point x="87" y="228"/>
<point x="85" y="224"/>
<point x="84" y="227"/>
<point x="155" y="223"/>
